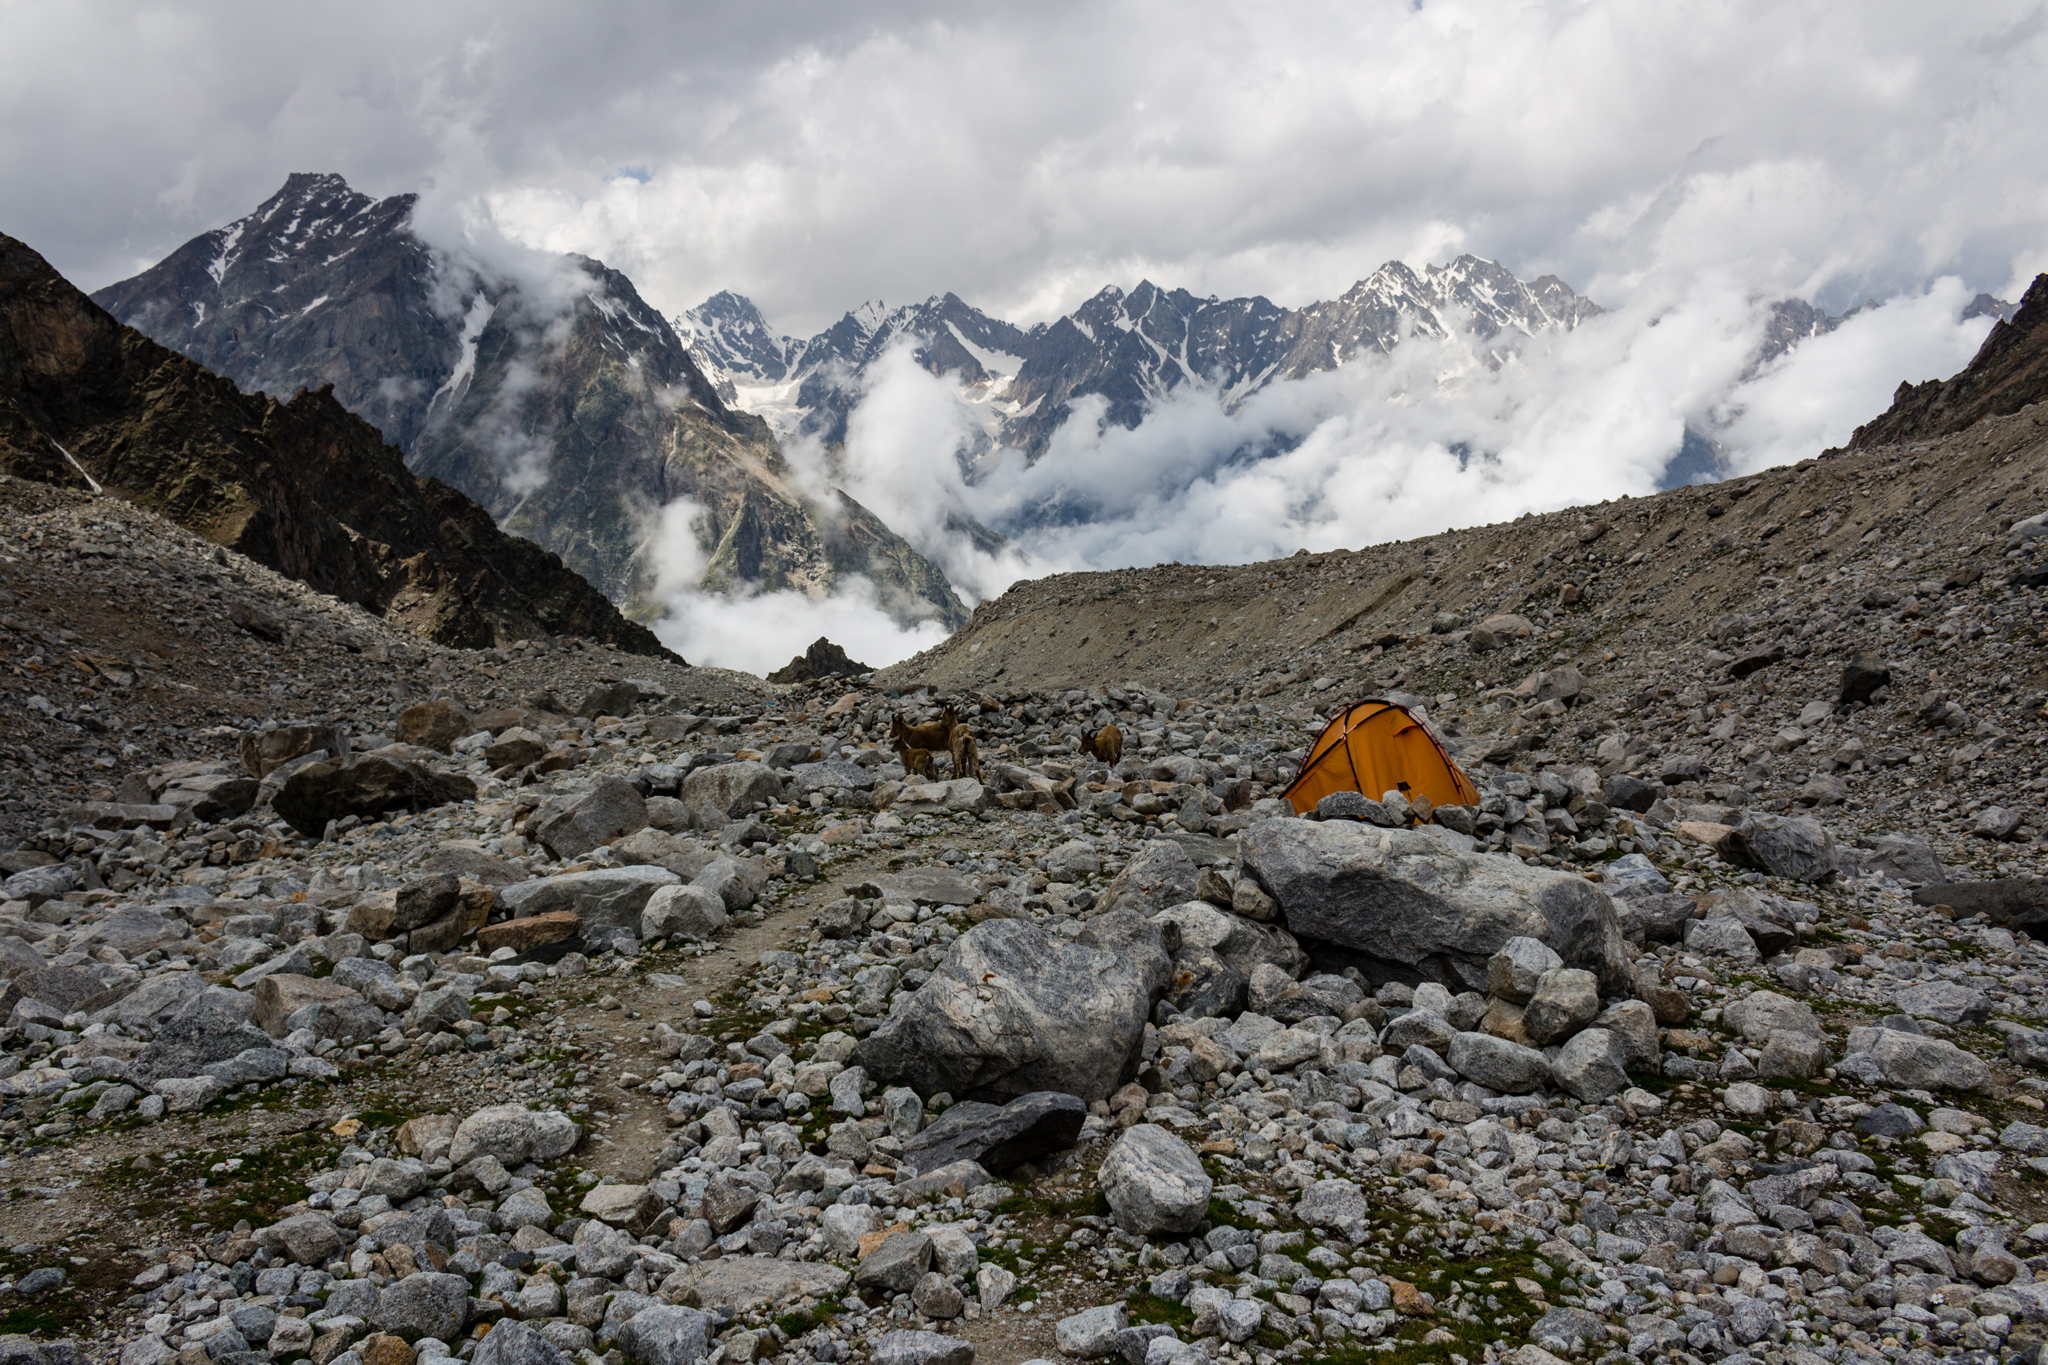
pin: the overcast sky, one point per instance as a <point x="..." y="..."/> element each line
<point x="814" y="155"/>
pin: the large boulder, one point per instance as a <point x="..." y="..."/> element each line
<point x="1947" y="1002"/>
<point x="281" y="995"/>
<point x="1218" y="953"/>
<point x="667" y="1335"/>
<point x="434" y="724"/>
<point x="424" y="1304"/>
<point x="573" y="827"/>
<point x="1784" y="846"/>
<point x="1512" y="973"/>
<point x="1498" y="1064"/>
<point x="726" y="791"/>
<point x="1593" y="1066"/>
<point x="533" y="931"/>
<point x="1013" y="1009"/>
<point x="682" y="912"/>
<point x="205" y="1029"/>
<point x="1401" y="904"/>
<point x="1565" y="1001"/>
<point x="303" y="1239"/>
<point x="1155" y="1183"/>
<point x="208" y="790"/>
<point x="1760" y="1015"/>
<point x="999" y="1137"/>
<point x="1910" y="861"/>
<point x="1159" y="875"/>
<point x="514" y="1343"/>
<point x="133" y="930"/>
<point x="609" y="699"/>
<point x="1765" y="918"/>
<point x="514" y="1135"/>
<point x="265" y="751"/>
<point x="366" y="788"/>
<point x="684" y="857"/>
<point x="737" y="881"/>
<point x="1911" y="1061"/>
<point x="2017" y="902"/>
<point x="604" y="898"/>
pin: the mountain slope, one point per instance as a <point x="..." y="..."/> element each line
<point x="563" y="403"/>
<point x="302" y="487"/>
<point x="2009" y="371"/>
<point x="1127" y="349"/>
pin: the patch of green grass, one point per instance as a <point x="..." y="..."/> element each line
<point x="1151" y="1308"/>
<point x="32" y="1318"/>
<point x="804" y="1320"/>
<point x="266" y="1176"/>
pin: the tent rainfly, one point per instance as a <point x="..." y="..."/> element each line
<point x="1374" y="747"/>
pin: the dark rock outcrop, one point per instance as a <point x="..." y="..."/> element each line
<point x="822" y="660"/>
<point x="302" y="487"/>
<point x="2009" y="371"/>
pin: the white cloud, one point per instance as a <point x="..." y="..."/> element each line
<point x="1393" y="448"/>
<point x="811" y="155"/>
<point x="759" y="633"/>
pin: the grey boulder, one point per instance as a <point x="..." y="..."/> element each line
<point x="573" y="827"/>
<point x="907" y="1347"/>
<point x="605" y="898"/>
<point x="666" y="1335"/>
<point x="303" y="1239"/>
<point x="1948" y="1002"/>
<point x="1909" y="1060"/>
<point x="1014" y="1009"/>
<point x="1155" y="1183"/>
<point x="682" y="912"/>
<point x="726" y="791"/>
<point x="1592" y="1066"/>
<point x="425" y="1304"/>
<point x="514" y="1135"/>
<point x="1337" y="1206"/>
<point x="1402" y="903"/>
<point x="204" y="1030"/>
<point x="999" y="1138"/>
<point x="514" y="1343"/>
<point x="1784" y="846"/>
<point x="1512" y="973"/>
<point x="1159" y="875"/>
<point x="1498" y="1064"/>
<point x="1565" y="1001"/>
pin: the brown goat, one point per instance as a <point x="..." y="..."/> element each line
<point x="966" y="754"/>
<point x="917" y="762"/>
<point x="1106" y="744"/>
<point x="933" y="734"/>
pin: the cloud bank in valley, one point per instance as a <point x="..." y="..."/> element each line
<point x="1386" y="448"/>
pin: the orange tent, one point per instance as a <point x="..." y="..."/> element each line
<point x="1375" y="747"/>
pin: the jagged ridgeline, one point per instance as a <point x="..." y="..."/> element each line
<point x="302" y="487"/>
<point x="1128" y="349"/>
<point x="565" y="405"/>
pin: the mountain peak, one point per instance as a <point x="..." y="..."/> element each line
<point x="2009" y="371"/>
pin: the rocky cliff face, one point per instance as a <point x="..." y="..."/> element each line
<point x="1129" y="349"/>
<point x="302" y="487"/>
<point x="2009" y="371"/>
<point x="567" y="407"/>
